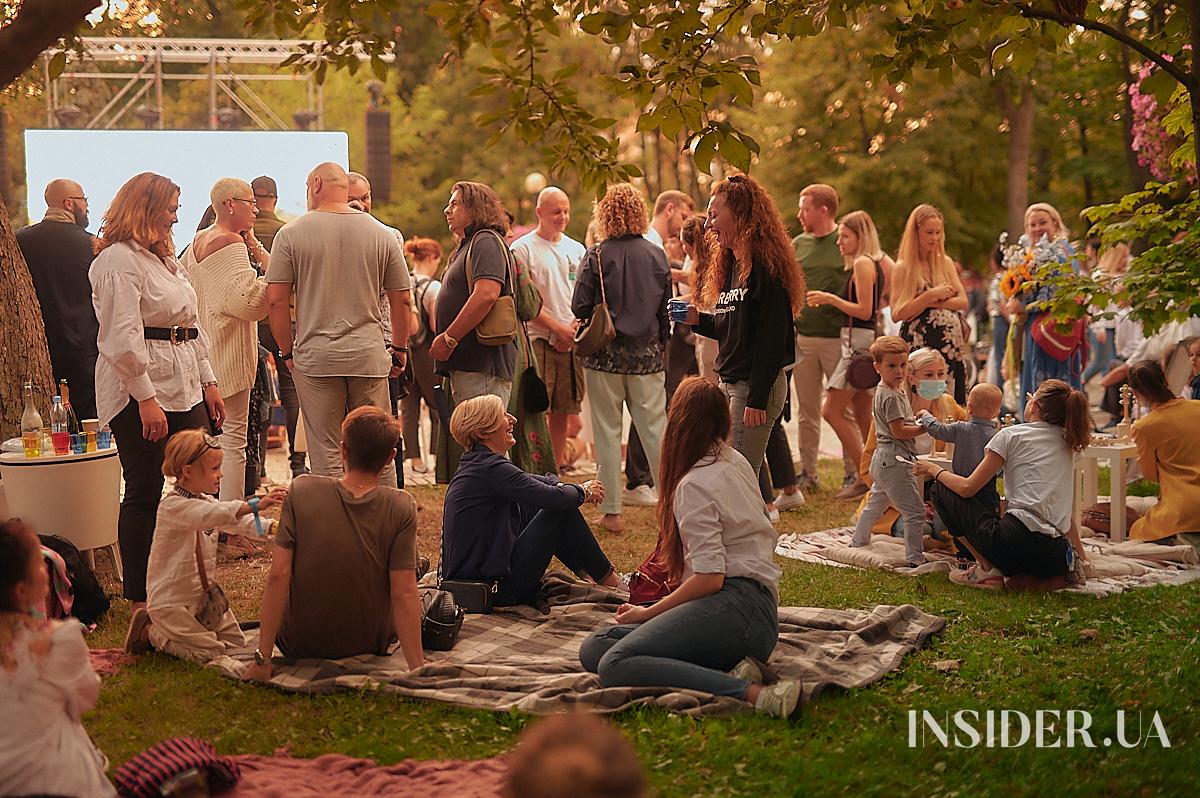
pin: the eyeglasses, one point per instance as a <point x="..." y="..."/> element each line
<point x="247" y="201"/>
<point x="209" y="443"/>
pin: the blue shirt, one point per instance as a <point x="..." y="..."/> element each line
<point x="488" y="504"/>
<point x="969" y="439"/>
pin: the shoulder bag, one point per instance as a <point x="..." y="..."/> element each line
<point x="215" y="603"/>
<point x="441" y="620"/>
<point x="860" y="371"/>
<point x="599" y="331"/>
<point x="1059" y="341"/>
<point x="499" y="326"/>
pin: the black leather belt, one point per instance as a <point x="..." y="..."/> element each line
<point x="176" y="335"/>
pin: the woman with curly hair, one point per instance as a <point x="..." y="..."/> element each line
<point x="927" y="295"/>
<point x="636" y="284"/>
<point x="751" y="292"/>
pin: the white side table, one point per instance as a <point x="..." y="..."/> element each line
<point x="1087" y="465"/>
<point x="74" y="496"/>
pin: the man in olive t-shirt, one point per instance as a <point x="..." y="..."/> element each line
<point x="818" y="330"/>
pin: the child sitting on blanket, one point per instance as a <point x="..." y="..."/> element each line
<point x="895" y="452"/>
<point x="971" y="436"/>
<point x="709" y="633"/>
<point x="186" y="614"/>
<point x="46" y="683"/>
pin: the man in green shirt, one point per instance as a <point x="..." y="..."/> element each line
<point x="818" y="330"/>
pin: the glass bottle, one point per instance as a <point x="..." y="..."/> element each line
<point x="31" y="425"/>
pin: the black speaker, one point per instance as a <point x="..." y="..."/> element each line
<point x="379" y="154"/>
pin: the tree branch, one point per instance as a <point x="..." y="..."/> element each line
<point x="1066" y="20"/>
<point x="39" y="24"/>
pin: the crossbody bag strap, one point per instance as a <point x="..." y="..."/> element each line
<point x="200" y="563"/>
<point x="508" y="275"/>
<point x="600" y="271"/>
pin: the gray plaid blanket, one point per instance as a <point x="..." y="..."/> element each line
<point x="519" y="659"/>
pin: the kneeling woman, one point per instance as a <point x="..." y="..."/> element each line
<point x="502" y="525"/>
<point x="1037" y="530"/>
<point x="717" y="542"/>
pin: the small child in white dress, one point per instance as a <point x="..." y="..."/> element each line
<point x="184" y="614"/>
<point x="46" y="684"/>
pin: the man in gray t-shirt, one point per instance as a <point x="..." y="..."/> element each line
<point x="337" y="260"/>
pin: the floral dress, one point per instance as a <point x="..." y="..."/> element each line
<point x="941" y="329"/>
<point x="1037" y="365"/>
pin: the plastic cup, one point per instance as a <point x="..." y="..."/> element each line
<point x="91" y="440"/>
<point x="62" y="442"/>
<point x="91" y="424"/>
<point x="104" y="439"/>
<point x="78" y="443"/>
<point x="32" y="441"/>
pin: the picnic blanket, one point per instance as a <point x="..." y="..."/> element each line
<point x="1111" y="567"/>
<point x="518" y="659"/>
<point x="282" y="776"/>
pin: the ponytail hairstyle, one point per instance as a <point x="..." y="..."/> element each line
<point x="1061" y="405"/>
<point x="1149" y="382"/>
<point x="697" y="424"/>
<point x="17" y="544"/>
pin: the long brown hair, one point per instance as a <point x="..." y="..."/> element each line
<point x="1063" y="406"/>
<point x="762" y="236"/>
<point x="132" y="214"/>
<point x="483" y="204"/>
<point x="697" y="422"/>
<point x="1149" y="381"/>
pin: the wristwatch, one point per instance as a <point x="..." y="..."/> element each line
<point x="450" y="342"/>
<point x="282" y="356"/>
<point x="260" y="658"/>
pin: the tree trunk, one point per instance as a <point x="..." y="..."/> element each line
<point x="1020" y="136"/>
<point x="5" y="182"/>
<point x="1089" y="198"/>
<point x="23" y="352"/>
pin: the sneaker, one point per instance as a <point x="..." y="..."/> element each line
<point x="613" y="523"/>
<point x="977" y="577"/>
<point x="807" y="483"/>
<point x="852" y="488"/>
<point x="781" y="700"/>
<point x="137" y="639"/>
<point x="790" y="501"/>
<point x="643" y="495"/>
<point x="773" y="514"/>
<point x="418" y="466"/>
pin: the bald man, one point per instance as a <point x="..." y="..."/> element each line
<point x="551" y="259"/>
<point x="58" y="250"/>
<point x="337" y="260"/>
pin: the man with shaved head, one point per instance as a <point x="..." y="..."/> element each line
<point x="59" y="253"/>
<point x="337" y="260"/>
<point x="551" y="259"/>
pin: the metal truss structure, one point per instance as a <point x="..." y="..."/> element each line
<point x="219" y="57"/>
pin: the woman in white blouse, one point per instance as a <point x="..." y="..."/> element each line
<point x="46" y="684"/>
<point x="232" y="298"/>
<point x="716" y="542"/>
<point x="153" y="377"/>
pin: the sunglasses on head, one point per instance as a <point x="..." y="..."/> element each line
<point x="209" y="443"/>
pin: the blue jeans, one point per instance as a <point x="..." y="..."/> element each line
<point x="691" y="646"/>
<point x="546" y="534"/>
<point x="1103" y="354"/>
<point x="999" y="346"/>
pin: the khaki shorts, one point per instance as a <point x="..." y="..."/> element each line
<point x="566" y="391"/>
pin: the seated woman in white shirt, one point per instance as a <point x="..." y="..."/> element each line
<point x="46" y="684"/>
<point x="1036" y="535"/>
<point x="183" y="555"/>
<point x="717" y="542"/>
<point x="153" y="377"/>
<point x="231" y="298"/>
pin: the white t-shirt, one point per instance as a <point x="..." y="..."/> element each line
<point x="1037" y="475"/>
<point x="653" y="237"/>
<point x="552" y="266"/>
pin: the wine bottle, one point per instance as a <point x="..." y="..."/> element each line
<point x="73" y="425"/>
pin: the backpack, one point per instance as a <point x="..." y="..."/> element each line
<point x="90" y="601"/>
<point x="420" y="288"/>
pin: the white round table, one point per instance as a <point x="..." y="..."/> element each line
<point x="74" y="496"/>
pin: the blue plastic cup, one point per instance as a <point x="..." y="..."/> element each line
<point x="678" y="308"/>
<point x="78" y="443"/>
<point x="104" y="439"/>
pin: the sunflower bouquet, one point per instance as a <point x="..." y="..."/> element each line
<point x="1023" y="261"/>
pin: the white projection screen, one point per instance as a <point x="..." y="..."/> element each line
<point x="102" y="160"/>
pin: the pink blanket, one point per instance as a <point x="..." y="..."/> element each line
<point x="281" y="776"/>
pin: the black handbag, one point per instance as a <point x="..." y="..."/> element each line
<point x="473" y="597"/>
<point x="860" y="371"/>
<point x="441" y="621"/>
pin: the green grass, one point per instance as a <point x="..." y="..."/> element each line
<point x="1018" y="651"/>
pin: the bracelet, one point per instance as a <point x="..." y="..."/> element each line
<point x="938" y="474"/>
<point x="209" y="384"/>
<point x="253" y="502"/>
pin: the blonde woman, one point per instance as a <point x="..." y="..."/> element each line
<point x="231" y="298"/>
<point x="927" y="295"/>
<point x="153" y="377"/>
<point x="629" y="371"/>
<point x="502" y="525"/>
<point x="861" y="299"/>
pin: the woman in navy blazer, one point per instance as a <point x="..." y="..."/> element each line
<point x="502" y="525"/>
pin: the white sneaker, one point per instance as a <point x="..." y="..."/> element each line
<point x="773" y="514"/>
<point x="781" y="700"/>
<point x="790" y="501"/>
<point x="643" y="495"/>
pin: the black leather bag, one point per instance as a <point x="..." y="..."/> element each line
<point x="473" y="597"/>
<point x="441" y="621"/>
